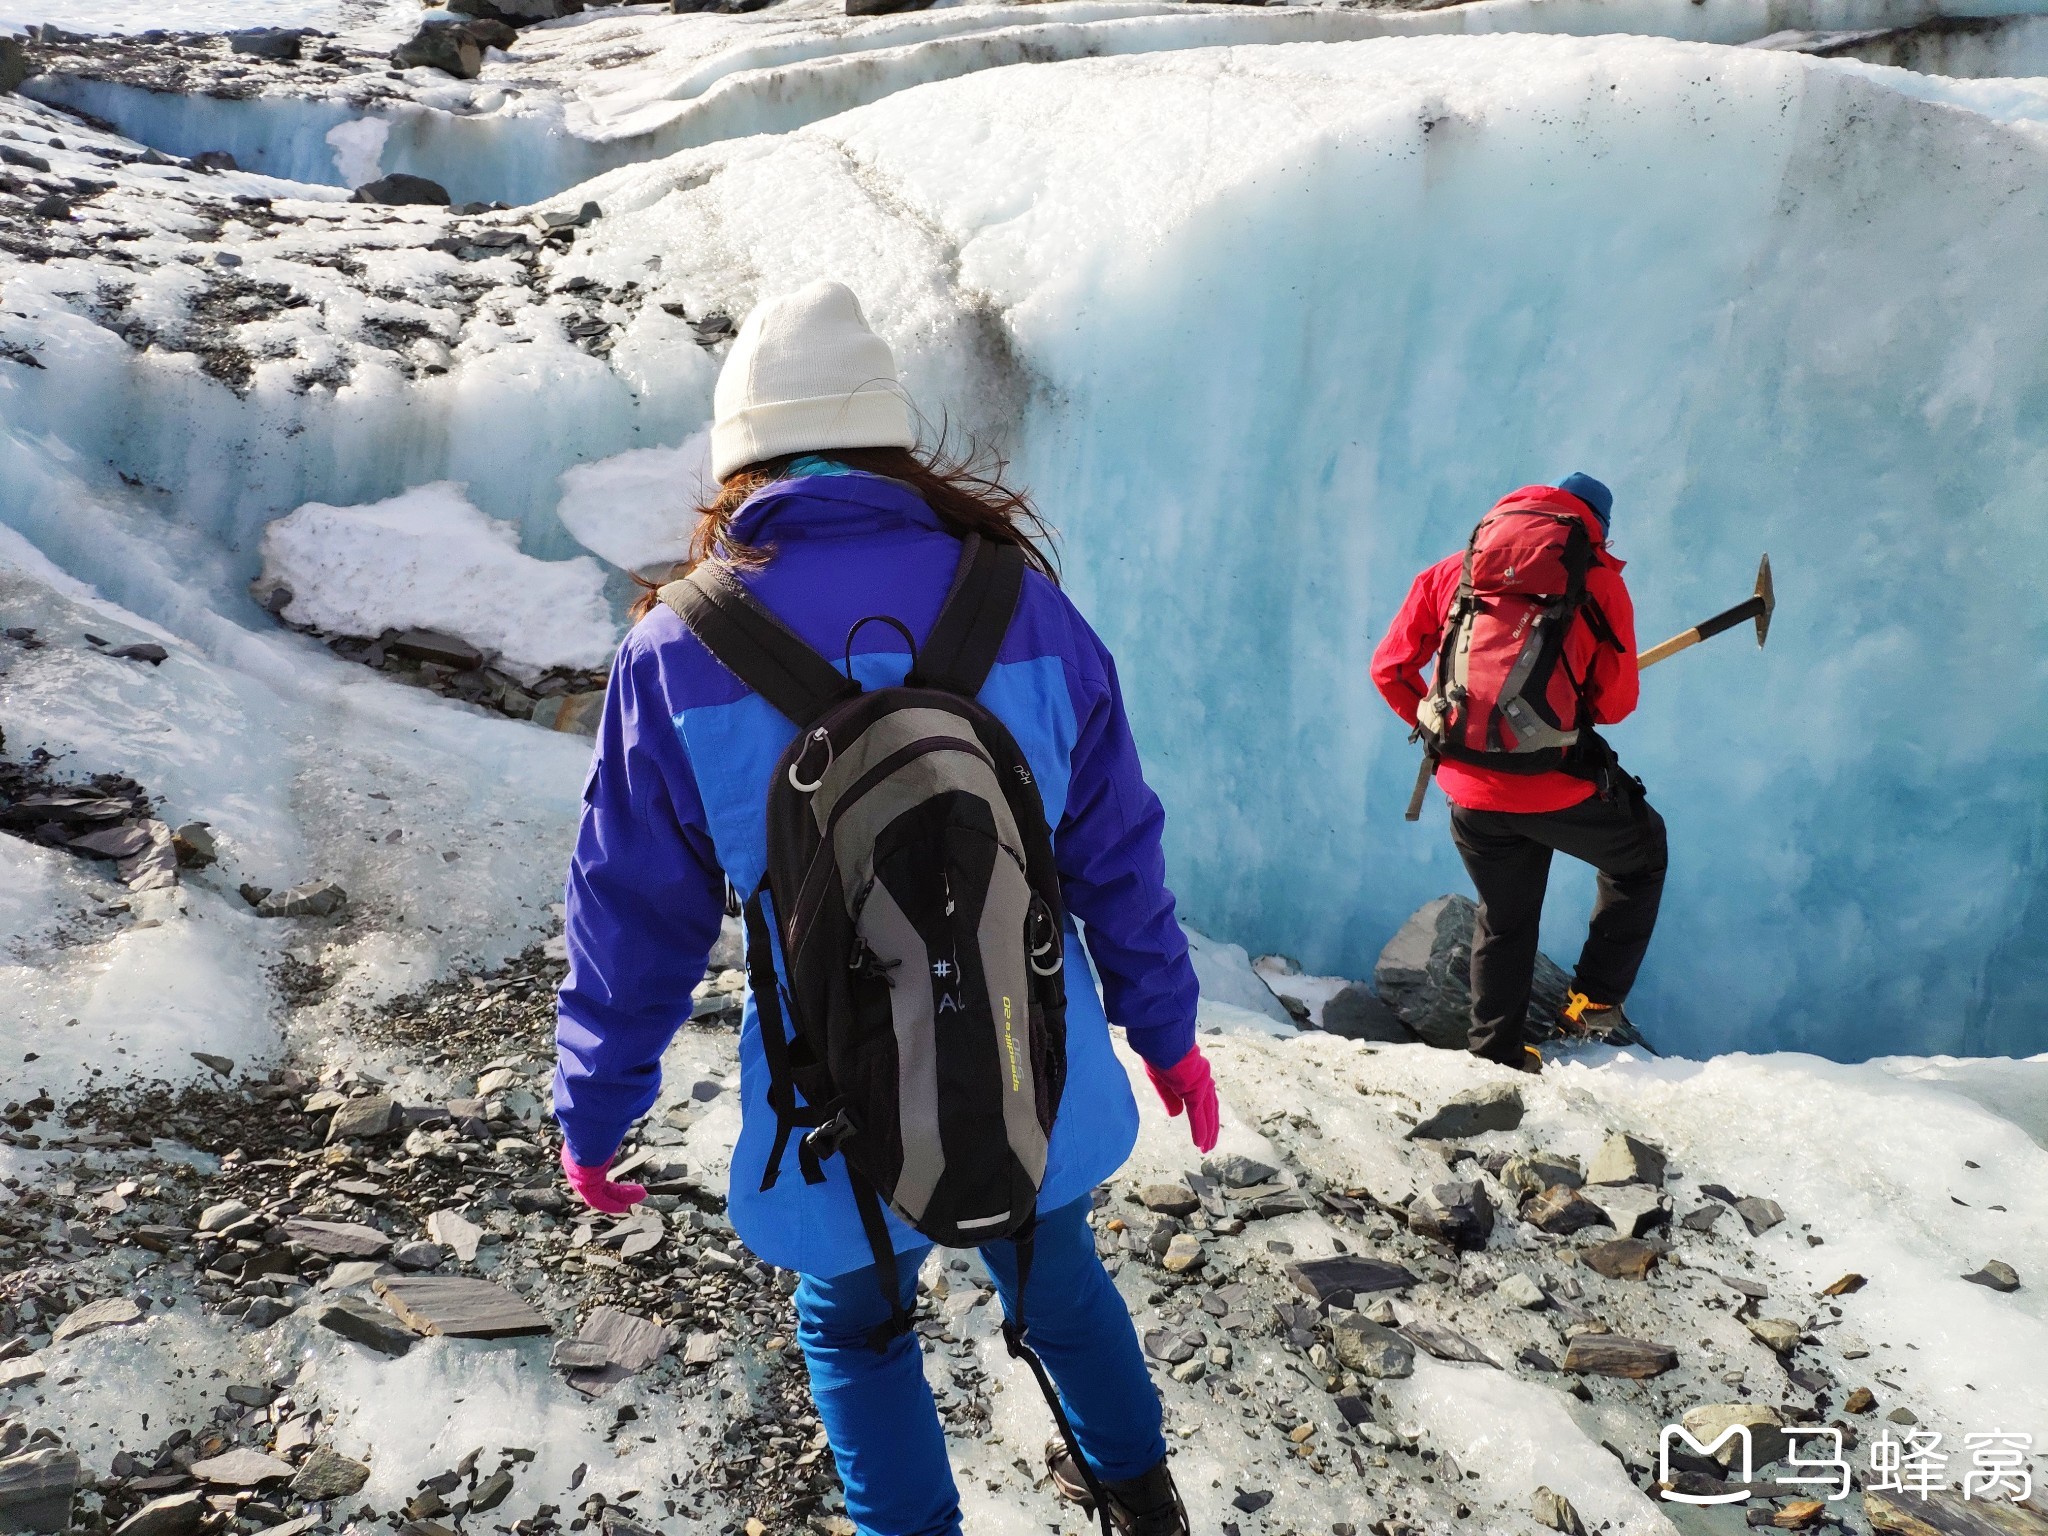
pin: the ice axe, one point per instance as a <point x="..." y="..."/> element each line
<point x="1757" y="606"/>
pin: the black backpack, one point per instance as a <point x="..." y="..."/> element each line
<point x="910" y="877"/>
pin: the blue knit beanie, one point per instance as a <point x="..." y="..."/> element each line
<point x="1593" y="494"/>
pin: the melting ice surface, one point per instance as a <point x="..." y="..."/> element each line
<point x="1266" y="329"/>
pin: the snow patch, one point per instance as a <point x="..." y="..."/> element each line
<point x="637" y="509"/>
<point x="428" y="559"/>
<point x="359" y="149"/>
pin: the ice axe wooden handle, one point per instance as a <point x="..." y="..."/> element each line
<point x="1758" y="606"/>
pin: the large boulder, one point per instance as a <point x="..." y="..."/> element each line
<point x="1425" y="975"/>
<point x="517" y="13"/>
<point x="438" y="45"/>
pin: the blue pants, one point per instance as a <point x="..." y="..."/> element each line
<point x="878" y="1412"/>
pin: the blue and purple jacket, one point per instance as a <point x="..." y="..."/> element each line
<point x="676" y="804"/>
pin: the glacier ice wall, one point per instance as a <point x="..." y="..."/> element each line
<point x="1281" y="323"/>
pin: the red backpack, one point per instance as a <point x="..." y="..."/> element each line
<point x="1504" y="696"/>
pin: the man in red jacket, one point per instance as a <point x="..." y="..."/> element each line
<point x="1508" y="824"/>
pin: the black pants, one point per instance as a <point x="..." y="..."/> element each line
<point x="1508" y="857"/>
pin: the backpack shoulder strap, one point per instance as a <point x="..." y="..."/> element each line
<point x="754" y="645"/>
<point x="969" y="630"/>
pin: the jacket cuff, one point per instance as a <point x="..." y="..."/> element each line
<point x="1162" y="1045"/>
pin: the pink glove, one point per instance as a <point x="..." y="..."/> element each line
<point x="597" y="1191"/>
<point x="1187" y="1085"/>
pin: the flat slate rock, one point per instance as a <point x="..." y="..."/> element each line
<point x="242" y="1468"/>
<point x="1945" y="1514"/>
<point x="328" y="1474"/>
<point x="337" y="1239"/>
<point x="175" y="1514"/>
<point x="114" y="1312"/>
<point x="1562" y="1210"/>
<point x="1759" y="1214"/>
<point x="19" y="1373"/>
<point x="1609" y="1354"/>
<point x="457" y="1307"/>
<point x="36" y="1489"/>
<point x="1495" y="1107"/>
<point x="1997" y="1276"/>
<point x="624" y="1344"/>
<point x="1446" y="1343"/>
<point x="453" y="1230"/>
<point x="362" y="1323"/>
<point x="1338" y="1281"/>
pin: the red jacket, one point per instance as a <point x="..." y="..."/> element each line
<point x="1401" y="666"/>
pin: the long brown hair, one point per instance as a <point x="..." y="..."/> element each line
<point x="966" y="491"/>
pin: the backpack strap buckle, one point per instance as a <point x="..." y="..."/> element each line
<point x="828" y="1138"/>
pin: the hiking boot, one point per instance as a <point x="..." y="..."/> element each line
<point x="1588" y="1020"/>
<point x="1146" y="1505"/>
<point x="1532" y="1060"/>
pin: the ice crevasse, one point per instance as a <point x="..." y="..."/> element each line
<point x="1265" y="329"/>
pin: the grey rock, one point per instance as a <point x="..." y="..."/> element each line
<point x="14" y="65"/>
<point x="316" y="898"/>
<point x="328" y="1474"/>
<point x="1446" y="1343"/>
<point x="175" y="1514"/>
<point x="1780" y="1335"/>
<point x="1169" y="1199"/>
<point x="1457" y="1212"/>
<point x="1233" y="1170"/>
<point x="242" y="1468"/>
<point x="265" y="1311"/>
<point x="36" y="1489"/>
<point x="1339" y="1281"/>
<point x="458" y="1307"/>
<point x="22" y="1371"/>
<point x="518" y="12"/>
<point x="194" y="845"/>
<point x="457" y="1232"/>
<point x="1622" y="1159"/>
<point x="578" y="1355"/>
<point x="490" y="1493"/>
<point x="219" y="1217"/>
<point x="364" y="1119"/>
<point x="574" y="714"/>
<point x="884" y="7"/>
<point x="114" y="1312"/>
<point x="1367" y="1348"/>
<point x="1521" y="1291"/>
<point x="1609" y="1354"/>
<point x="1759" y="1214"/>
<point x="432" y="644"/>
<point x="1621" y="1258"/>
<point x="1529" y="1175"/>
<point x="449" y="49"/>
<point x="1356" y="1013"/>
<point x="337" y="1239"/>
<point x="1710" y="1421"/>
<point x="220" y="1066"/>
<point x="1494" y="1107"/>
<point x="419" y="1255"/>
<point x="625" y="1344"/>
<point x="701" y="1349"/>
<point x="1996" y="1275"/>
<point x="362" y="1323"/>
<point x="1424" y="975"/>
<point x="1555" y="1511"/>
<point x="283" y="44"/>
<point x="1561" y="1210"/>
<point x="1703" y="1219"/>
<point x="1631" y="1209"/>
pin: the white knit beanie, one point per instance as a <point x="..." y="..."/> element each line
<point x="806" y="375"/>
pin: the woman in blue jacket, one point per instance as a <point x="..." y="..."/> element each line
<point x="828" y="517"/>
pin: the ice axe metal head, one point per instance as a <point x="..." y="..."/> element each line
<point x="1758" y="606"/>
<point x="1767" y="600"/>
